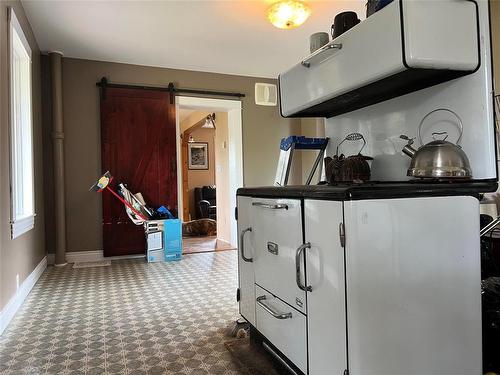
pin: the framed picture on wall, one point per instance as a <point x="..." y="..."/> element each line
<point x="198" y="155"/>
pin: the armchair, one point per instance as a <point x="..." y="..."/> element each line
<point x="205" y="201"/>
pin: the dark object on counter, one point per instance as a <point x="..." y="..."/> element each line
<point x="353" y="168"/>
<point x="328" y="168"/>
<point x="489" y="266"/>
<point x="336" y="168"/>
<point x="484" y="220"/>
<point x="373" y="6"/>
<point x="343" y="22"/>
<point x="490" y="292"/>
<point x="333" y="168"/>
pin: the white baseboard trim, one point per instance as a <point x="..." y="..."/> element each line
<point x="9" y="311"/>
<point x="89" y="256"/>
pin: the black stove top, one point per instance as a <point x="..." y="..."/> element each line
<point x="374" y="190"/>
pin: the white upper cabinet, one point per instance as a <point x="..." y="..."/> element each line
<point x="441" y="34"/>
<point x="405" y="47"/>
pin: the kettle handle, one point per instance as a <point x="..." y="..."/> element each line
<point x="353" y="137"/>
<point x="440" y="133"/>
<point x="460" y="123"/>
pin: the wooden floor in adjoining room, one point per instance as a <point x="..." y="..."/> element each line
<point x="203" y="244"/>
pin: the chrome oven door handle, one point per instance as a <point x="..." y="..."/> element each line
<point x="297" y="267"/>
<point x="277" y="315"/>
<point x="242" y="245"/>
<point x="278" y="206"/>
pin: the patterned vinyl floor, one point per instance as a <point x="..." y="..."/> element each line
<point x="128" y="318"/>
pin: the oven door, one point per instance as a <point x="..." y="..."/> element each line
<point x="278" y="239"/>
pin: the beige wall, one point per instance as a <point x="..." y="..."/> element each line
<point x="201" y="177"/>
<point x="262" y="130"/>
<point x="19" y="256"/>
<point x="222" y="177"/>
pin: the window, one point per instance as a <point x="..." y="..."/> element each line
<point x="21" y="131"/>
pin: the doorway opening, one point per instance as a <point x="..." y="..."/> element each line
<point x="209" y="152"/>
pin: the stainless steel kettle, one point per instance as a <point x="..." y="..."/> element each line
<point x="439" y="158"/>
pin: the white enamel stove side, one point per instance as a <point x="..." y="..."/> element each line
<point x="246" y="273"/>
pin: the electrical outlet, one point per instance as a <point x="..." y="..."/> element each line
<point x="17" y="282"/>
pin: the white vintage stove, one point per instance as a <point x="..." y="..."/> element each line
<point x="380" y="278"/>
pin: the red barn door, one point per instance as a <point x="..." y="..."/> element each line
<point x="138" y="147"/>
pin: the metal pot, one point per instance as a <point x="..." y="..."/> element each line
<point x="354" y="168"/>
<point x="439" y="158"/>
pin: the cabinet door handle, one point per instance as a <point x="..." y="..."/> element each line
<point x="271" y="206"/>
<point x="327" y="47"/>
<point x="297" y="267"/>
<point x="242" y="245"/>
<point x="277" y="315"/>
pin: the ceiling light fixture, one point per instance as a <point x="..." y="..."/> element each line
<point x="288" y="14"/>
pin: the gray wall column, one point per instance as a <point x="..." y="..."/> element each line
<point x="58" y="145"/>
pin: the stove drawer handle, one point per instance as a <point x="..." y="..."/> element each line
<point x="277" y="315"/>
<point x="297" y="267"/>
<point x="278" y="206"/>
<point x="242" y="245"/>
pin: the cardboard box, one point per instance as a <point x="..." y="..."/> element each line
<point x="163" y="236"/>
<point x="172" y="230"/>
<point x="156" y="256"/>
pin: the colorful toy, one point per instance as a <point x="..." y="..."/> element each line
<point x="103" y="183"/>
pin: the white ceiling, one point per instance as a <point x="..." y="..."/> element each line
<point x="231" y="37"/>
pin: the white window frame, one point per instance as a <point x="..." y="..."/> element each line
<point x="21" y="130"/>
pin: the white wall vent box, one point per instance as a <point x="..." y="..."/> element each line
<point x="266" y="94"/>
<point x="407" y="46"/>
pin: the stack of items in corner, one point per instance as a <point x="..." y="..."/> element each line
<point x="163" y="231"/>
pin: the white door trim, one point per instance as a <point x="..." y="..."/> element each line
<point x="235" y="146"/>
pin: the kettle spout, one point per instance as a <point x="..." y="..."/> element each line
<point x="408" y="150"/>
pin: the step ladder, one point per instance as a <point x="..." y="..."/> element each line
<point x="287" y="148"/>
